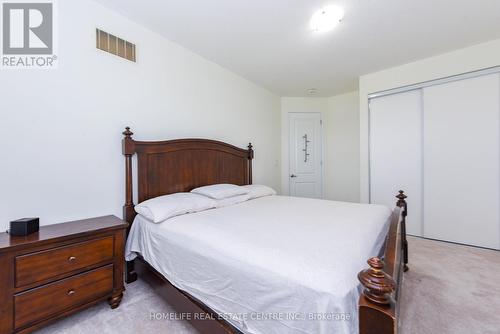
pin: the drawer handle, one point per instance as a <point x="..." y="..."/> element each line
<point x="71" y="259"/>
<point x="71" y="292"/>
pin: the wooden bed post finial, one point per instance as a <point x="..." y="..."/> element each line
<point x="250" y="158"/>
<point x="127" y="133"/>
<point x="402" y="202"/>
<point x="378" y="284"/>
<point x="404" y="205"/>
<point x="250" y="151"/>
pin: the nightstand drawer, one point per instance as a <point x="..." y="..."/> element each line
<point x="44" y="265"/>
<point x="50" y="299"/>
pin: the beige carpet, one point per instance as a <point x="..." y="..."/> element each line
<point x="449" y="289"/>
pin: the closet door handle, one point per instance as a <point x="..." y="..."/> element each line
<point x="293" y="175"/>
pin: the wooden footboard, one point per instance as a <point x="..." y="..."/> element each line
<point x="379" y="303"/>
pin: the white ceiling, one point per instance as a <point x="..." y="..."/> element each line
<point x="269" y="41"/>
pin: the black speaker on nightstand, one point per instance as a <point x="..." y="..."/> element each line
<point x="24" y="226"/>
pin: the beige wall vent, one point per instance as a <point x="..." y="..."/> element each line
<point x="114" y="45"/>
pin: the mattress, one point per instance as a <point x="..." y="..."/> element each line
<point x="275" y="264"/>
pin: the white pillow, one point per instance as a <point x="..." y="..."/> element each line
<point x="220" y="191"/>
<point x="161" y="208"/>
<point x="259" y="190"/>
<point x="232" y="200"/>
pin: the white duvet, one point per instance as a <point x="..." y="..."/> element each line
<point x="270" y="265"/>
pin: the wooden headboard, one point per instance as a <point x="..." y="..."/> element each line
<point x="166" y="167"/>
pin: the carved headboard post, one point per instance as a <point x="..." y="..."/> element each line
<point x="250" y="158"/>
<point x="128" y="147"/>
<point x="128" y="150"/>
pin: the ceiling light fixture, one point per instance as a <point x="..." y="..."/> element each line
<point x="327" y="18"/>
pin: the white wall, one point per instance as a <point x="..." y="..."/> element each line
<point x="61" y="129"/>
<point x="340" y="142"/>
<point x="460" y="61"/>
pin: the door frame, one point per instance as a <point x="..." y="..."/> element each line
<point x="323" y="149"/>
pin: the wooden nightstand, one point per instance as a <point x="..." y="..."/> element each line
<point x="59" y="270"/>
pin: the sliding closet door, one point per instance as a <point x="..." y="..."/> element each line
<point x="395" y="152"/>
<point x="461" y="161"/>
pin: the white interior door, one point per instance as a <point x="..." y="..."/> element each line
<point x="461" y="161"/>
<point x="306" y="179"/>
<point x="396" y="153"/>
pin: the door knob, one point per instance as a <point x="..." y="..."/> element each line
<point x="293" y="175"/>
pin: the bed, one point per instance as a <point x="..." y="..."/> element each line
<point x="274" y="264"/>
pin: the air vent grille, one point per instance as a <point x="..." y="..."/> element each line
<point x="114" y="45"/>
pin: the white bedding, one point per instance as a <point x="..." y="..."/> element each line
<point x="272" y="264"/>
